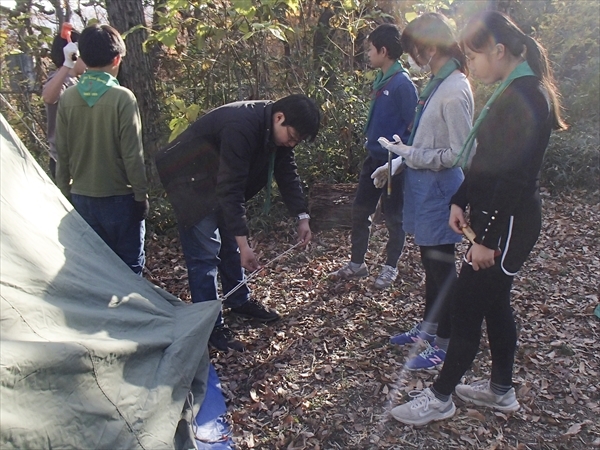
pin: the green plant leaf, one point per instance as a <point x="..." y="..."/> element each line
<point x="243" y="7"/>
<point x="192" y="112"/>
<point x="276" y="31"/>
<point x="131" y="30"/>
<point x="178" y="126"/>
<point x="168" y="37"/>
<point x="410" y="16"/>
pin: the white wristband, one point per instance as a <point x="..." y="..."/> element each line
<point x="303" y="216"/>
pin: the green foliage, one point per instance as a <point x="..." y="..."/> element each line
<point x="211" y="53"/>
<point x="572" y="161"/>
<point x="570" y="34"/>
<point x="161" y="218"/>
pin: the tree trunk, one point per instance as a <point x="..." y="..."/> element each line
<point x="137" y="72"/>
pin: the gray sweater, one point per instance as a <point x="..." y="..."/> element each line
<point x="445" y="124"/>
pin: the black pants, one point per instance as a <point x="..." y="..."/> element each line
<point x="483" y="294"/>
<point x="365" y="203"/>
<point x="440" y="274"/>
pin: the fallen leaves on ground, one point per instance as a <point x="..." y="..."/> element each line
<point x="326" y="377"/>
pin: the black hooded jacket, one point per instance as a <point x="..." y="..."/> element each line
<point x="222" y="160"/>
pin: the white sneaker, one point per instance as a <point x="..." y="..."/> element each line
<point x="386" y="277"/>
<point x="480" y="394"/>
<point x="423" y="408"/>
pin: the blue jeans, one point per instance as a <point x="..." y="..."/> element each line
<point x="114" y="219"/>
<point x="209" y="249"/>
<point x="365" y="203"/>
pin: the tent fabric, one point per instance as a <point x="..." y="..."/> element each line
<point x="91" y="355"/>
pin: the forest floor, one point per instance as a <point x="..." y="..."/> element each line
<point x="325" y="376"/>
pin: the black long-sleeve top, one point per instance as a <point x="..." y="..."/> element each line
<point x="502" y="184"/>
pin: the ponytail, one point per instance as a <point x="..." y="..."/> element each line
<point x="494" y="27"/>
<point x="537" y="58"/>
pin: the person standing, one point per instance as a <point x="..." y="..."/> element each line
<point x="209" y="172"/>
<point x="442" y="123"/>
<point x="501" y="190"/>
<point x="69" y="67"/>
<point x="393" y="101"/>
<point x="99" y="145"/>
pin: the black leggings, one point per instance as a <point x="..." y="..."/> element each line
<point x="478" y="295"/>
<point x="440" y="273"/>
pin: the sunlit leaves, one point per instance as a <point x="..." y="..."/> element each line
<point x="244" y="7"/>
<point x="177" y="126"/>
<point x="168" y="36"/>
<point x="176" y="4"/>
<point x="293" y="5"/>
<point x="410" y="16"/>
<point x="183" y="115"/>
<point x="276" y="31"/>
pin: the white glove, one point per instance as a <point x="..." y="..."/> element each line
<point x="397" y="146"/>
<point x="380" y="175"/>
<point x="71" y="52"/>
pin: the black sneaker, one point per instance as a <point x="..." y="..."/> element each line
<point x="253" y="309"/>
<point x="222" y="338"/>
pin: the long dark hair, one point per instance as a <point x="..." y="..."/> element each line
<point x="432" y="29"/>
<point x="492" y="27"/>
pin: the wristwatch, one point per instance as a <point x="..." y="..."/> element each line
<point x="303" y="216"/>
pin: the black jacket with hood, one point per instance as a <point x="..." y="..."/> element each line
<point x="222" y="160"/>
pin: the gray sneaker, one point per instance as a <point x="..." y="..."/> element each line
<point x="423" y="408"/>
<point x="347" y="272"/>
<point x="386" y="277"/>
<point x="480" y="394"/>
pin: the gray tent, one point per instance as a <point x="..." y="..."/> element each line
<point x="91" y="355"/>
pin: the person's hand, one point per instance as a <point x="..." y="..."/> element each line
<point x="248" y="259"/>
<point x="141" y="209"/>
<point x="481" y="257"/>
<point x="380" y="175"/>
<point x="457" y="219"/>
<point x="304" y="233"/>
<point x="71" y="52"/>
<point x="396" y="146"/>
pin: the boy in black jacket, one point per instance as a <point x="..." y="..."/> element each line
<point x="211" y="170"/>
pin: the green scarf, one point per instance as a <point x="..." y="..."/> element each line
<point x="380" y="81"/>
<point x="433" y="84"/>
<point x="522" y="70"/>
<point x="93" y="84"/>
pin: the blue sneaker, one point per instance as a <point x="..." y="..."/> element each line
<point x="429" y="358"/>
<point x="412" y="336"/>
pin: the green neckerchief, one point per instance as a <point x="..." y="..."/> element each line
<point x="267" y="205"/>
<point x="433" y="84"/>
<point x="93" y="84"/>
<point x="522" y="70"/>
<point x="380" y="81"/>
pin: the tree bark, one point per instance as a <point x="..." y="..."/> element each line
<point x="137" y="72"/>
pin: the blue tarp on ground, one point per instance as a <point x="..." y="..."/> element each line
<point x="211" y="428"/>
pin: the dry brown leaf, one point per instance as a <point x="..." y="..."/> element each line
<point x="475" y="414"/>
<point x="337" y="336"/>
<point x="573" y="429"/>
